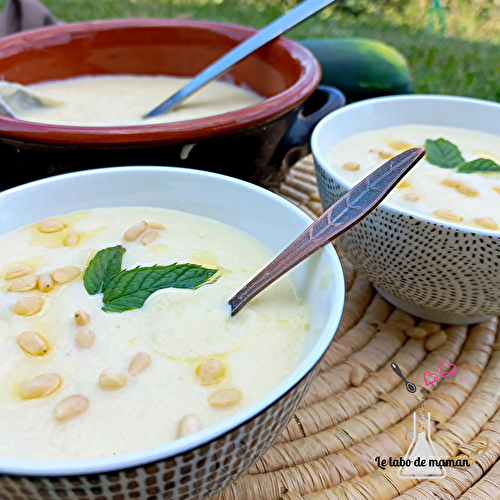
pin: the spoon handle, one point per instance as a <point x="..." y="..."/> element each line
<point x="354" y="206"/>
<point x="222" y="65"/>
<point x="398" y="371"/>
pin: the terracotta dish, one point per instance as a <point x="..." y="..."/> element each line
<point x="250" y="143"/>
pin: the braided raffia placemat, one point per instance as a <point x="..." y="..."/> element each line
<point x="350" y="417"/>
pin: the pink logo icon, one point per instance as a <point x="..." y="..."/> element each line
<point x="445" y="366"/>
<point x="432" y="377"/>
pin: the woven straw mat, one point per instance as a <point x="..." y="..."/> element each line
<point x="357" y="408"/>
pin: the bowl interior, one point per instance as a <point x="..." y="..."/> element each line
<point x="146" y="47"/>
<point x="266" y="216"/>
<point x="373" y="114"/>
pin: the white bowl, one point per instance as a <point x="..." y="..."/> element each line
<point x="202" y="464"/>
<point x="436" y="270"/>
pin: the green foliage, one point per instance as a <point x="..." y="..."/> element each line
<point x="465" y="63"/>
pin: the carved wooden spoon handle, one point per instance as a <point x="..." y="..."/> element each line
<point x="354" y="206"/>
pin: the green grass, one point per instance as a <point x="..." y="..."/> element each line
<point x="441" y="65"/>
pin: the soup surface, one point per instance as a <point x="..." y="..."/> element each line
<point x="143" y="374"/>
<point x="125" y="99"/>
<point x="463" y="187"/>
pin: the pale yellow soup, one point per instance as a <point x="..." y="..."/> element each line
<point x="440" y="193"/>
<point x="176" y="331"/>
<point x="125" y="99"/>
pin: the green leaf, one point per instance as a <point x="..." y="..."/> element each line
<point x="479" y="165"/>
<point x="105" y="264"/>
<point x="443" y="153"/>
<point x="130" y="288"/>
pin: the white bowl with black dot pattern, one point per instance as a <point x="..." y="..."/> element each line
<point x="200" y="465"/>
<point x="437" y="270"/>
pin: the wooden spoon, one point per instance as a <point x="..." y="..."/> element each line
<point x="354" y="206"/>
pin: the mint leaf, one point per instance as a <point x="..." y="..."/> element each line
<point x="130" y="288"/>
<point x="443" y="153"/>
<point x="479" y="165"/>
<point x="105" y="264"/>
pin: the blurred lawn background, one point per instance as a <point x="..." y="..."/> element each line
<point x="464" y="61"/>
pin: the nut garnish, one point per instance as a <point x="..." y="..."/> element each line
<point x="51" y="226"/>
<point x="24" y="284"/>
<point x="112" y="379"/>
<point x="139" y="363"/>
<point x="17" y="272"/>
<point x="85" y="338"/>
<point x="149" y="237"/>
<point x="82" y="318"/>
<point x="189" y="424"/>
<point x="65" y="274"/>
<point x="225" y="397"/>
<point x="135" y="231"/>
<point x="41" y="386"/>
<point x="45" y="283"/>
<point x="350" y="166"/>
<point x="210" y="371"/>
<point x="70" y="407"/>
<point x="33" y="343"/>
<point x="28" y="306"/>
<point x="72" y="239"/>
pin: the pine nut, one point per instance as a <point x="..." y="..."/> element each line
<point x="139" y="363"/>
<point x="358" y="375"/>
<point x="399" y="145"/>
<point x="149" y="237"/>
<point x="189" y="424"/>
<point x="451" y="183"/>
<point x="384" y="155"/>
<point x="467" y="191"/>
<point x="28" y="306"/>
<point x="70" y="407"/>
<point x="486" y="223"/>
<point x="210" y="371"/>
<point x="226" y="397"/>
<point x="17" y="272"/>
<point x="85" y="338"/>
<point x="135" y="231"/>
<point x="65" y="274"/>
<point x="415" y="332"/>
<point x="157" y="226"/>
<point x="82" y="318"/>
<point x="41" y="386"/>
<point x="350" y="166"/>
<point x="413" y="197"/>
<point x="112" y="379"/>
<point x="33" y="343"/>
<point x="497" y="189"/>
<point x="45" y="283"/>
<point x="436" y="340"/>
<point x="24" y="284"/>
<point x="51" y="226"/>
<point x="72" y="239"/>
<point x="403" y="184"/>
<point x="447" y="215"/>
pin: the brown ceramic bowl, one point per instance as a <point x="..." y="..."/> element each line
<point x="250" y="143"/>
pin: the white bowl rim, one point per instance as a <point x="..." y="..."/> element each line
<point x="321" y="158"/>
<point x="148" y="456"/>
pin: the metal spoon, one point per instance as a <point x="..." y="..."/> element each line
<point x="354" y="206"/>
<point x="410" y="386"/>
<point x="15" y="98"/>
<point x="287" y="21"/>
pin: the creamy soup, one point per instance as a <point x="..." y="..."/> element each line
<point x="82" y="382"/>
<point x="125" y="99"/>
<point x="442" y="191"/>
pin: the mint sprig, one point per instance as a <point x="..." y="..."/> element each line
<point x="445" y="154"/>
<point x="124" y="290"/>
<point x="479" y="165"/>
